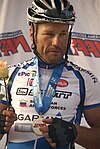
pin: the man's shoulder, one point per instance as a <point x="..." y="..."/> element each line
<point x="21" y="65"/>
<point x="86" y="74"/>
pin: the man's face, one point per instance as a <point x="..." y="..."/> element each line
<point x="52" y="41"/>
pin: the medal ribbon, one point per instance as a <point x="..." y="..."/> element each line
<point x="42" y="104"/>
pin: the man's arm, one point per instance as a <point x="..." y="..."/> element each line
<point x="87" y="137"/>
<point x="90" y="137"/>
<point x="7" y="118"/>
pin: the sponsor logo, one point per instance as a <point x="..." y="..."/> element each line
<point x="33" y="73"/>
<point x="24" y="91"/>
<point x="22" y="117"/>
<point x="23" y="74"/>
<point x="58" y="94"/>
<point x="23" y="103"/>
<point x="30" y="81"/>
<point x="62" y="83"/>
<point x="95" y="79"/>
<point x="62" y="94"/>
<point x="10" y="41"/>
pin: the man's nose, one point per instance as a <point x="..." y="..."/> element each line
<point x="56" y="40"/>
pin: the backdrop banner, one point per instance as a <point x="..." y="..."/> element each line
<point x="85" y="44"/>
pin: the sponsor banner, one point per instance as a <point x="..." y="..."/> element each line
<point x="85" y="51"/>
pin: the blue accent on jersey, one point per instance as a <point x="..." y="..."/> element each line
<point x="82" y="93"/>
<point x="49" y="66"/>
<point x="91" y="106"/>
<point x="3" y="102"/>
<point x="59" y="114"/>
<point x="41" y="144"/>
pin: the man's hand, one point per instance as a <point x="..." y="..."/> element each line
<point x="7" y="118"/>
<point x="59" y="132"/>
<point x="45" y="131"/>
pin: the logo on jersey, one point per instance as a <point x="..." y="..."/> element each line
<point x="62" y="83"/>
<point x="23" y="103"/>
<point x="23" y="117"/>
<point x="24" y="91"/>
<point x="93" y="77"/>
<point x="30" y="81"/>
<point x="29" y="92"/>
<point x="62" y="94"/>
<point x="24" y="74"/>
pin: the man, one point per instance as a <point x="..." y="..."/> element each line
<point x="48" y="92"/>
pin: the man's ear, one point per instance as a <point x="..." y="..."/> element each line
<point x="31" y="33"/>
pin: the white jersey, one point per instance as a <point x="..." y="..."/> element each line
<point x="77" y="89"/>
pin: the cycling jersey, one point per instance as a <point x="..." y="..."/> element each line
<point x="76" y="90"/>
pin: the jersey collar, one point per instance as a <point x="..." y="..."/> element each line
<point x="42" y="64"/>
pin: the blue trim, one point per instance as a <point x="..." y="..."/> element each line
<point x="91" y="106"/>
<point x="41" y="144"/>
<point x="81" y="82"/>
<point x="16" y="71"/>
<point x="12" y="77"/>
<point x="82" y="85"/>
<point x="3" y="102"/>
<point x="42" y="64"/>
<point x="82" y="93"/>
<point x="28" y="64"/>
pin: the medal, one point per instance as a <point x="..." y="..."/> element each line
<point x="37" y="124"/>
<point x="43" y="104"/>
